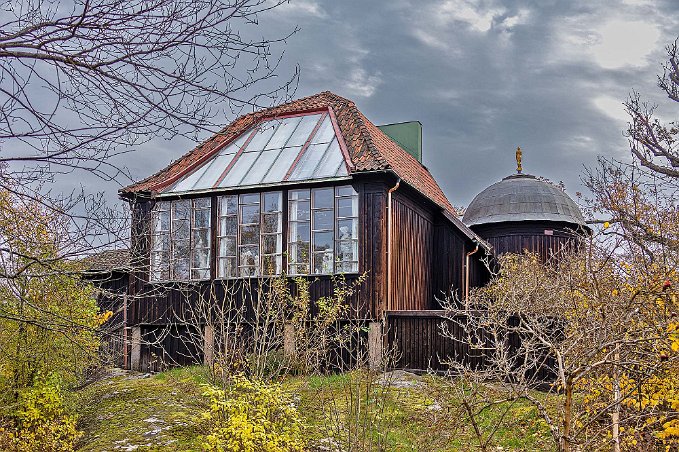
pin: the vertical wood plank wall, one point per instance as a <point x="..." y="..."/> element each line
<point x="372" y="244"/>
<point x="412" y="249"/>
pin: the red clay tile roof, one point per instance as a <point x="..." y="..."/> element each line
<point x="369" y="148"/>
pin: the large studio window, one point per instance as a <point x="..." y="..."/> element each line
<point x="250" y="235"/>
<point x="323" y="231"/>
<point x="180" y="240"/>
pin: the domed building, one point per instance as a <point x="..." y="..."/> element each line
<point x="522" y="212"/>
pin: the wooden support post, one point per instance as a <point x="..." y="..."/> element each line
<point x="208" y="345"/>
<point x="289" y="348"/>
<point x="375" y="345"/>
<point x="135" y="354"/>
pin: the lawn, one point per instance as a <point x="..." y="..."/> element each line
<point x="395" y="412"/>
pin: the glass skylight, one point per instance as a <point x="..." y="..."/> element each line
<point x="289" y="149"/>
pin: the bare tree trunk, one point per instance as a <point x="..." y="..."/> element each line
<point x="567" y="417"/>
<point x="616" y="405"/>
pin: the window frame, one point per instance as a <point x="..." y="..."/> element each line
<point x="282" y="256"/>
<point x="169" y="207"/>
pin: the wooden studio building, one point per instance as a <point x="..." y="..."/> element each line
<point x="311" y="188"/>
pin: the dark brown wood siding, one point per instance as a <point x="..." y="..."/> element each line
<point x="543" y="238"/>
<point x="412" y="249"/>
<point x="372" y="244"/>
<point x="426" y="340"/>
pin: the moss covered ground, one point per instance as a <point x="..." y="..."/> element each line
<point x="163" y="412"/>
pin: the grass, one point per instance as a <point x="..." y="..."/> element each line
<point x="163" y="412"/>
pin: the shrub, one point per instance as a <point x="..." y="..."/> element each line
<point x="252" y="416"/>
<point x="39" y="421"/>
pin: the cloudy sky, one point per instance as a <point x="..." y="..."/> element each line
<point x="482" y="76"/>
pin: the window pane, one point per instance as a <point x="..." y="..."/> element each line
<point x="239" y="169"/>
<point x="347" y="229"/>
<point x="180" y="268"/>
<point x="261" y="138"/>
<point x="299" y="252"/>
<point x="201" y="203"/>
<point x="180" y="249"/>
<point x="271" y="244"/>
<point x="260" y="167"/>
<point x="228" y="205"/>
<point x="227" y="246"/>
<point x="323" y="241"/>
<point x="249" y="198"/>
<point x="304" y="129"/>
<point x="228" y="226"/>
<point x="162" y="220"/>
<point x="181" y="209"/>
<point x="299" y="210"/>
<point x="347" y="267"/>
<point x="309" y="161"/>
<point x="200" y="273"/>
<point x="249" y="257"/>
<point x="299" y="194"/>
<point x="323" y="219"/>
<point x="201" y="238"/>
<point x="201" y="219"/>
<point x="346" y="190"/>
<point x="283" y="163"/>
<point x="272" y="201"/>
<point x="201" y="258"/>
<point x="249" y="214"/>
<point x="323" y="263"/>
<point x="331" y="159"/>
<point x="347" y="207"/>
<point x="299" y="232"/>
<point x="271" y="264"/>
<point x="161" y="242"/>
<point x="347" y="250"/>
<point x="227" y="267"/>
<point x="271" y="222"/>
<point x="160" y="266"/>
<point x="283" y="132"/>
<point x="325" y="133"/>
<point x="299" y="269"/>
<point x="249" y="235"/>
<point x="323" y="198"/>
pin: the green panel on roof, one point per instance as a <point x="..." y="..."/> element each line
<point x="408" y="135"/>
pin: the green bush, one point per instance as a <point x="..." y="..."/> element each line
<point x="252" y="416"/>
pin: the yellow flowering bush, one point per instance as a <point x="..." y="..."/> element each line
<point x="252" y="416"/>
<point x="39" y="422"/>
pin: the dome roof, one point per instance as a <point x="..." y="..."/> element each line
<point x="522" y="197"/>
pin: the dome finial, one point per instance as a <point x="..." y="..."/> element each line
<point x="518" y="160"/>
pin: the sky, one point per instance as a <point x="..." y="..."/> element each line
<point x="483" y="77"/>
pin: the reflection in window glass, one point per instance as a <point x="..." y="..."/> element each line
<point x="346" y="236"/>
<point x="272" y="233"/>
<point x="227" y="262"/>
<point x="180" y="240"/>
<point x="323" y="231"/>
<point x="250" y="235"/>
<point x="248" y="244"/>
<point x="200" y="239"/>
<point x="299" y="219"/>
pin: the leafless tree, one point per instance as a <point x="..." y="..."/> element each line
<point x="82" y="81"/>
<point x="653" y="142"/>
<point x="576" y="338"/>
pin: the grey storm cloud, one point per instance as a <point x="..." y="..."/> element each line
<point x="483" y="77"/>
